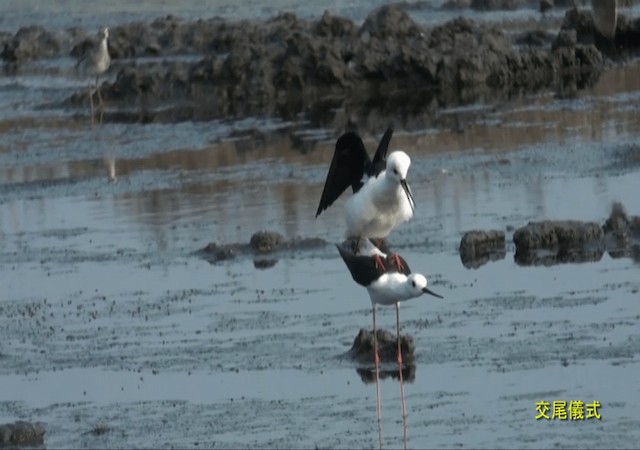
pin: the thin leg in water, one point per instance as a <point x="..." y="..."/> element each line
<point x="376" y="360"/>
<point x="98" y="91"/>
<point x="101" y="104"/>
<point x="91" y="104"/>
<point x="404" y="408"/>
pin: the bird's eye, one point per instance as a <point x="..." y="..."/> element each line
<point x="413" y="283"/>
<point x="395" y="171"/>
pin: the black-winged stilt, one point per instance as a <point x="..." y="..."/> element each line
<point x="387" y="285"/>
<point x="381" y="199"/>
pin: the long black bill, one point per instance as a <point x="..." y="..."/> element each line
<point x="407" y="191"/>
<point x="429" y="291"/>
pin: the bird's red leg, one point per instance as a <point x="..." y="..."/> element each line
<point x="377" y="364"/>
<point x="404" y="408"/>
<point x="398" y="262"/>
<point x="379" y="263"/>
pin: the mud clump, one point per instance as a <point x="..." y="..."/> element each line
<point x="578" y="29"/>
<point x="31" y="42"/>
<point x="362" y="349"/>
<point x="549" y="234"/>
<point x="21" y="433"/>
<point x="622" y="233"/>
<point x="552" y="242"/>
<point x="261" y="243"/>
<point x="266" y="241"/>
<point x="478" y="247"/>
<point x="555" y="242"/>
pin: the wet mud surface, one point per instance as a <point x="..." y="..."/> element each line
<point x="117" y="331"/>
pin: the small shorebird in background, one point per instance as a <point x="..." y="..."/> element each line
<point x="94" y="61"/>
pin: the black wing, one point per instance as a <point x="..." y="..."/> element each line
<point x="363" y="269"/>
<point x="347" y="169"/>
<point x="379" y="162"/>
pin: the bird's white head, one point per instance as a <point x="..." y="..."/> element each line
<point x="417" y="284"/>
<point x="398" y="164"/>
<point x="103" y="33"/>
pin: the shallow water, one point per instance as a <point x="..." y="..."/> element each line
<point x="108" y="317"/>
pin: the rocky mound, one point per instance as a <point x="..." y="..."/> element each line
<point x="252" y="66"/>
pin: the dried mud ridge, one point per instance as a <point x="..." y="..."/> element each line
<point x="21" y="433"/>
<point x="270" y="67"/>
<point x="555" y="242"/>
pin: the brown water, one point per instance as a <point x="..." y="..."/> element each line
<point x="107" y="317"/>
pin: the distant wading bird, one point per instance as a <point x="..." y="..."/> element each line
<point x="95" y="61"/>
<point x="381" y="197"/>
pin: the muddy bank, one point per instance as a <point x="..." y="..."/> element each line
<point x="551" y="242"/>
<point x="287" y="63"/>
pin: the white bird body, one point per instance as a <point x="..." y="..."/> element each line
<point x="104" y="60"/>
<point x="383" y="202"/>
<point x="395" y="287"/>
<point x="96" y="60"/>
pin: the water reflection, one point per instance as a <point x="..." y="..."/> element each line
<point x="368" y="374"/>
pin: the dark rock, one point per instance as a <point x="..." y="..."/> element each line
<point x="622" y="233"/>
<point x="334" y="27"/>
<point x="215" y="253"/>
<point x="100" y="428"/>
<point x="478" y="247"/>
<point x="362" y="349"/>
<point x="266" y="241"/>
<point x="30" y="43"/>
<point x="625" y="39"/>
<point x="551" y="258"/>
<point x="261" y="243"/>
<point x="389" y="22"/>
<point x="617" y="220"/>
<point x="558" y="242"/>
<point x="300" y="244"/>
<point x="493" y="5"/>
<point x="535" y="38"/>
<point x="456" y="4"/>
<point x="568" y="234"/>
<point x="545" y="5"/>
<point x="22" y="433"/>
